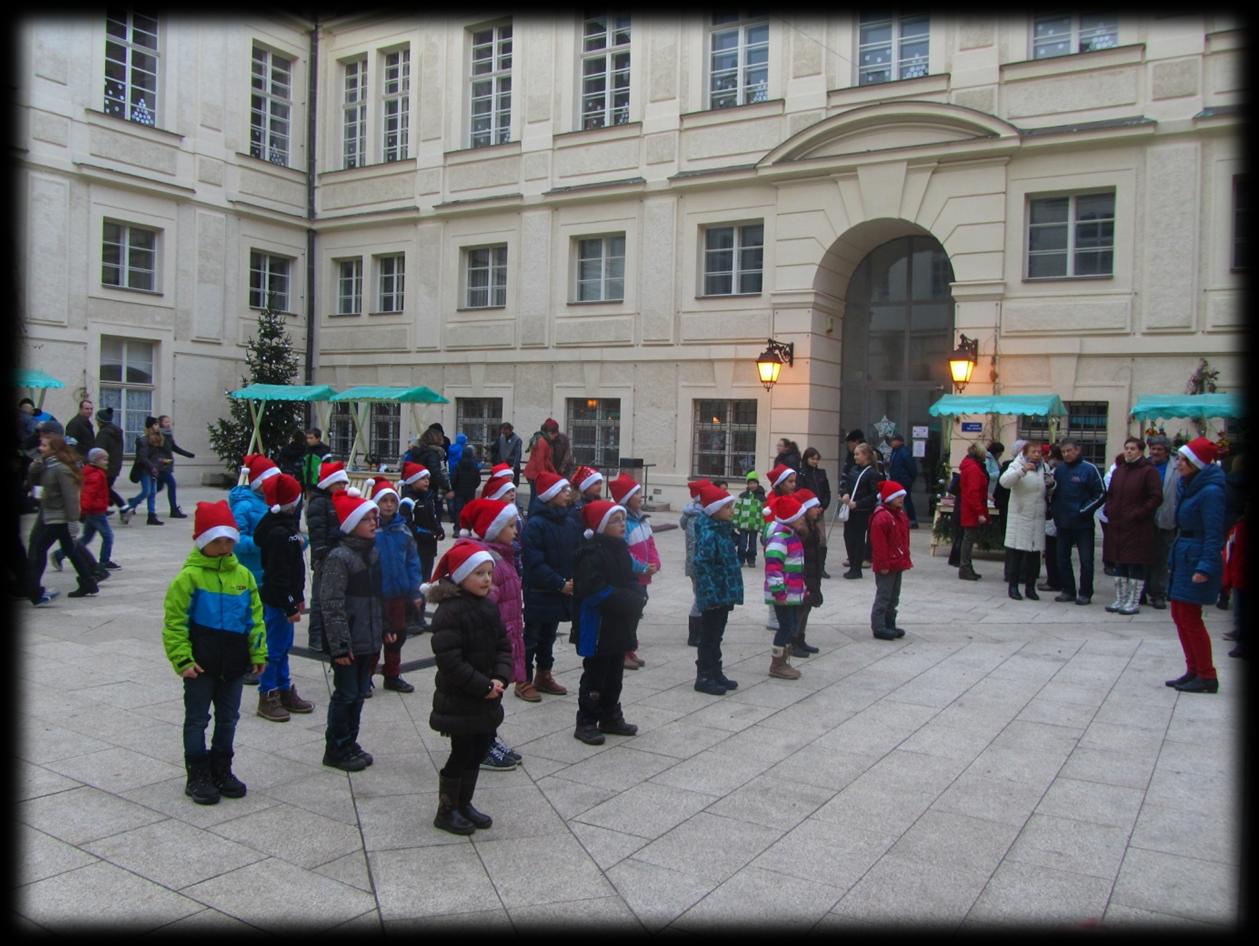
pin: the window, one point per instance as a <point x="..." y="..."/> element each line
<point x="490" y="85"/>
<point x="391" y="277"/>
<point x="1085" y="422"/>
<point x="127" y="385"/>
<point x="1239" y="222"/>
<point x="738" y="59"/>
<point x="340" y="431"/>
<point x="354" y="114"/>
<point x="349" y="287"/>
<point x="594" y="429"/>
<point x="383" y="437"/>
<point x="1061" y="34"/>
<point x="723" y="441"/>
<point x="486" y="277"/>
<point x="605" y="71"/>
<point x="397" y="104"/>
<point x="269" y="105"/>
<point x="892" y="47"/>
<point x="129" y="257"/>
<point x="479" y="418"/>
<point x="131" y="66"/>
<point x="732" y="259"/>
<point x="268" y="281"/>
<point x="1071" y="236"/>
<point x="601" y="269"/>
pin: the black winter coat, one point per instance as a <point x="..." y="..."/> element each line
<point x="547" y="547"/>
<point x="465" y="479"/>
<point x="283" y="566"/>
<point x="604" y="563"/>
<point x="80" y="429"/>
<point x="322" y="524"/>
<point x="433" y="459"/>
<point x="109" y="439"/>
<point x="471" y="648"/>
<point x="419" y="511"/>
<point x="867" y="495"/>
<point x="815" y="480"/>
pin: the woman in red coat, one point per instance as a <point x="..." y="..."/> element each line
<point x="1132" y="499"/>
<point x="972" y="497"/>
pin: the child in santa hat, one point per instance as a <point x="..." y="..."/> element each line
<point x="283" y="592"/>
<point x="418" y="508"/>
<point x="213" y="634"/>
<point x="686" y="522"/>
<point x="784" y="578"/>
<point x="814" y="551"/>
<point x="889" y="546"/>
<point x="607" y="604"/>
<point x="400" y="580"/>
<point x="248" y="508"/>
<point x="547" y="546"/>
<point x="718" y="584"/>
<point x="324" y="530"/>
<point x="353" y="627"/>
<point x="641" y="542"/>
<point x="473" y="668"/>
<point x="782" y="482"/>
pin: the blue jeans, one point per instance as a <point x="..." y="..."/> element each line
<point x="167" y="477"/>
<point x="93" y="525"/>
<point x="786" y="624"/>
<point x="279" y="641"/>
<point x="148" y="490"/>
<point x="346" y="705"/>
<point x="1080" y="537"/>
<point x="199" y="694"/>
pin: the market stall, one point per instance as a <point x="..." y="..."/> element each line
<point x="36" y="381"/>
<point x="360" y="400"/>
<point x="259" y="395"/>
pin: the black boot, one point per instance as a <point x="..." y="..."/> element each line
<point x="200" y="787"/>
<point x="705" y="682"/>
<point x="822" y="565"/>
<point x="589" y="734"/>
<point x="1183" y="678"/>
<point x="1029" y="592"/>
<point x="719" y="676"/>
<point x="1014" y="591"/>
<point x="229" y="785"/>
<point x="153" y="520"/>
<point x="448" y="817"/>
<point x="694" y="626"/>
<point x="177" y="513"/>
<point x="614" y="724"/>
<point x="467" y="788"/>
<point x="800" y="647"/>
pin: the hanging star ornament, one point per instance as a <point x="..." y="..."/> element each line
<point x="885" y="428"/>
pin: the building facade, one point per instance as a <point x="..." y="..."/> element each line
<point x="603" y="219"/>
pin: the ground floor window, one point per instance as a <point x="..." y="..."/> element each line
<point x="1085" y="422"/>
<point x="383" y="434"/>
<point x="478" y="419"/>
<point x="340" y="431"/>
<point x="594" y="429"/>
<point x="127" y="385"/>
<point x="723" y="441"/>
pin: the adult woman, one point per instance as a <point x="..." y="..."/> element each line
<point x="56" y="472"/>
<point x="1024" y="480"/>
<point x="540" y="460"/>
<point x="861" y="493"/>
<point x="432" y="456"/>
<point x="1195" y="564"/>
<point x="1132" y="499"/>
<point x="813" y="477"/>
<point x="146" y="469"/>
<point x="788" y="455"/>
<point x="972" y="502"/>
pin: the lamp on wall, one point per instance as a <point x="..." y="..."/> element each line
<point x="770" y="362"/>
<point x="962" y="362"/>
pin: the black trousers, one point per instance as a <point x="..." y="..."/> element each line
<point x="856" y="538"/>
<point x="712" y="629"/>
<point x="114" y="498"/>
<point x="1021" y="567"/>
<point x="599" y="693"/>
<point x="539" y="643"/>
<point x="42" y="538"/>
<point x="466" y="752"/>
<point x="1053" y="577"/>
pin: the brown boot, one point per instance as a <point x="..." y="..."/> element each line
<point x="526" y="692"/>
<point x="270" y="707"/>
<point x="294" y="703"/>
<point x="543" y="682"/>
<point x="778" y="666"/>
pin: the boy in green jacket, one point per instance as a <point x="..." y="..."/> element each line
<point x="749" y="520"/>
<point x="213" y="634"/>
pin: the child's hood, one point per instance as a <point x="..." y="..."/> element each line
<point x="242" y="492"/>
<point x="443" y="590"/>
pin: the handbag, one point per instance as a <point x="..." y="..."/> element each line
<point x="844" y="510"/>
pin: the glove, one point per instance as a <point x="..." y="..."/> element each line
<point x="815" y="599"/>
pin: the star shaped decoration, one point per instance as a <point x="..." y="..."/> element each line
<point x="885" y="428"/>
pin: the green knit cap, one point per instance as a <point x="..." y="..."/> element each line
<point x="752" y="476"/>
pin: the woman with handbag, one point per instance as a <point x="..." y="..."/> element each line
<point x="861" y="493"/>
<point x="145" y="471"/>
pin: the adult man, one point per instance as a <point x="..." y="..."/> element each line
<point x="509" y="449"/>
<point x="80" y="428"/>
<point x="1164" y="520"/>
<point x="316" y="451"/>
<point x="166" y="474"/>
<point x="1077" y="494"/>
<point x="902" y="468"/>
<point x="109" y="438"/>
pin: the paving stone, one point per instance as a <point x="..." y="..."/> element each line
<point x="174" y="854"/>
<point x="325" y="794"/>
<point x="572" y="798"/>
<point x="900" y="892"/>
<point x="206" y="921"/>
<point x="602" y="913"/>
<point x="679" y="739"/>
<point x="101" y="894"/>
<point x="1188" y="887"/>
<point x="830" y="769"/>
<point x="1109" y="768"/>
<point x="570" y="873"/>
<point x="1077" y="847"/>
<point x="169" y="799"/>
<point x="772" y="802"/>
<point x="656" y="894"/>
<point x="1092" y="801"/>
<point x="940" y="838"/>
<point x="116" y="770"/>
<point x="884" y="812"/>
<point x="43" y="742"/>
<point x="901" y="770"/>
<point x="350" y="870"/>
<point x="820" y="850"/>
<point x="84" y="814"/>
<point x="1020" y="895"/>
<point x="478" y="923"/>
<point x="278" y="897"/>
<point x="752" y="895"/>
<point x="1121" y="917"/>
<point x="302" y="838"/>
<point x="402" y="823"/>
<point x="619" y="768"/>
<point x="1032" y="766"/>
<point x="1197" y="829"/>
<point x="708" y="846"/>
<point x="605" y="846"/>
<point x="32" y="781"/>
<point x="41" y="855"/>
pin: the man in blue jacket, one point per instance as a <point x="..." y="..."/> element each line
<point x="903" y="469"/>
<point x="1077" y="495"/>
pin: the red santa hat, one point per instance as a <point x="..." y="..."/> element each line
<point x="597" y="514"/>
<point x="214" y="521"/>
<point x="549" y="485"/>
<point x="411" y="472"/>
<point x="260" y="469"/>
<point x="499" y="470"/>
<point x="280" y="491"/>
<point x="486" y="518"/>
<point x="711" y="498"/>
<point x="333" y="471"/>
<point x="779" y="475"/>
<point x="1200" y="451"/>
<point x="351" y="510"/>
<point x="808" y="499"/>
<point x="624" y="487"/>
<point x="694" y="486"/>
<point x="497" y="489"/>
<point x="889" y="490"/>
<point x="460" y="561"/>
<point x="586" y="478"/>
<point x="376" y="488"/>
<point x="787" y="509"/>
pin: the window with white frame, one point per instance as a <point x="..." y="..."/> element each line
<point x="270" y="106"/>
<point x="268" y="281"/>
<point x="490" y="86"/>
<point x="601" y="268"/>
<point x="594" y="431"/>
<point x="1240" y="199"/>
<point x="354" y="114"/>
<point x="723" y="438"/>
<point x="485" y="277"/>
<point x="131" y="59"/>
<point x="738" y="63"/>
<point x="128" y="257"/>
<point x="891" y="47"/>
<point x="383" y="434"/>
<point x="340" y="431"/>
<point x="733" y="258"/>
<point x="1071" y="236"/>
<point x="1061" y="34"/>
<point x="350" y="286"/>
<point x="605" y="71"/>
<point x="126" y="381"/>
<point x="396" y="113"/>
<point x="390" y="282"/>
<point x="478" y="419"/>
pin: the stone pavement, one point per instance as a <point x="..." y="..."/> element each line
<point x="1006" y="762"/>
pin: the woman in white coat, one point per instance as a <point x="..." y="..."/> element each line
<point x="1025" y="519"/>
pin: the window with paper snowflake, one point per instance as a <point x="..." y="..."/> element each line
<point x="131" y="60"/>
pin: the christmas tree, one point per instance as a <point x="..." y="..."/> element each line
<point x="271" y="360"/>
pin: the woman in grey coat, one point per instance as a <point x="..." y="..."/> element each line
<point x="56" y="477"/>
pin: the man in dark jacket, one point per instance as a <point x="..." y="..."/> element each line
<point x="109" y="438"/>
<point x="465" y="480"/>
<point x="903" y="469"/>
<point x="1078" y="492"/>
<point x="509" y="449"/>
<point x="80" y="428"/>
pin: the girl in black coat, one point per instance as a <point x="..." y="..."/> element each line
<point x="861" y="492"/>
<point x="813" y="477"/>
<point x="473" y="667"/>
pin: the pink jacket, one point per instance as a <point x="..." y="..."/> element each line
<point x="642" y="546"/>
<point x="508" y="594"/>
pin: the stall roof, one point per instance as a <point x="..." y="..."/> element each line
<point x="368" y="392"/>
<point x="30" y="378"/>
<point x="285" y="392"/>
<point x="1034" y="404"/>
<point x="1167" y="406"/>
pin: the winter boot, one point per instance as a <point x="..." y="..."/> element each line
<point x="967" y="573"/>
<point x="822" y="564"/>
<point x="294" y="703"/>
<point x="467" y="788"/>
<point x="1014" y="591"/>
<point x="615" y="724"/>
<point x="1029" y="591"/>
<point x="720" y="677"/>
<point x="706" y="682"/>
<point x="177" y="513"/>
<point x="801" y="647"/>
<point x="270" y="707"/>
<point x="694" y="626"/>
<point x="778" y="665"/>
<point x="153" y="520"/>
<point x="589" y="734"/>
<point x="200" y="787"/>
<point x="448" y="817"/>
<point x="1132" y="601"/>
<point x="543" y="682"/>
<point x="1121" y="595"/>
<point x="229" y="785"/>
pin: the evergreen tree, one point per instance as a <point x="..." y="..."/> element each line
<point x="270" y="359"/>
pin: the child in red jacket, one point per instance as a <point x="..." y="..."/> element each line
<point x="889" y="544"/>
<point x="94" y="507"/>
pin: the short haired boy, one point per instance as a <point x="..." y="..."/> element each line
<point x="213" y="633"/>
<point x="400" y="580"/>
<point x="324" y="531"/>
<point x="889" y="544"/>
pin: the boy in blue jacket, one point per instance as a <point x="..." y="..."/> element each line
<point x="400" y="579"/>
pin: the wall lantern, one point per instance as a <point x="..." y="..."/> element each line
<point x="962" y="362"/>
<point x="592" y="403"/>
<point x="771" y="361"/>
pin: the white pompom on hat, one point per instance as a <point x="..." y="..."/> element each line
<point x="597" y="514"/>
<point x="460" y="561"/>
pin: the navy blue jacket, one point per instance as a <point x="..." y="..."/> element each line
<point x="1077" y="495"/>
<point x="901" y="465"/>
<point x="1200" y="513"/>
<point x="550" y="540"/>
<point x="399" y="559"/>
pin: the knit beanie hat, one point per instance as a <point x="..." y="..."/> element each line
<point x="214" y="521"/>
<point x="711" y="498"/>
<point x="551" y="424"/>
<point x="597" y="514"/>
<point x="97" y="453"/>
<point x="411" y="472"/>
<point x="460" y="561"/>
<point x="787" y="509"/>
<point x="260" y="469"/>
<point x="1200" y="451"/>
<point x="752" y="477"/>
<point x="106" y="414"/>
<point x="889" y="490"/>
<point x="497" y="489"/>
<point x="694" y="486"/>
<point x="586" y="478"/>
<point x="623" y="487"/>
<point x="351" y="510"/>
<point x="377" y="488"/>
<point x="779" y="475"/>
<point x="549" y="485"/>
<point x="486" y="518"/>
<point x="280" y="491"/>
<point x="807" y="498"/>
<point x="333" y="471"/>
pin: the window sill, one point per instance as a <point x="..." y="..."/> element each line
<point x="480" y="308"/>
<point x="345" y="315"/>
<point x="714" y="116"/>
<point x="481" y="152"/>
<point x="105" y="120"/>
<point x="620" y="301"/>
<point x="732" y="295"/>
<point x="372" y="315"/>
<point x="256" y="308"/>
<point x="1044" y="279"/>
<point x="1074" y="62"/>
<point x="254" y="159"/>
<point x="142" y="292"/>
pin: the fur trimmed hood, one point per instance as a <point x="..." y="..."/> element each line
<point x="443" y="590"/>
